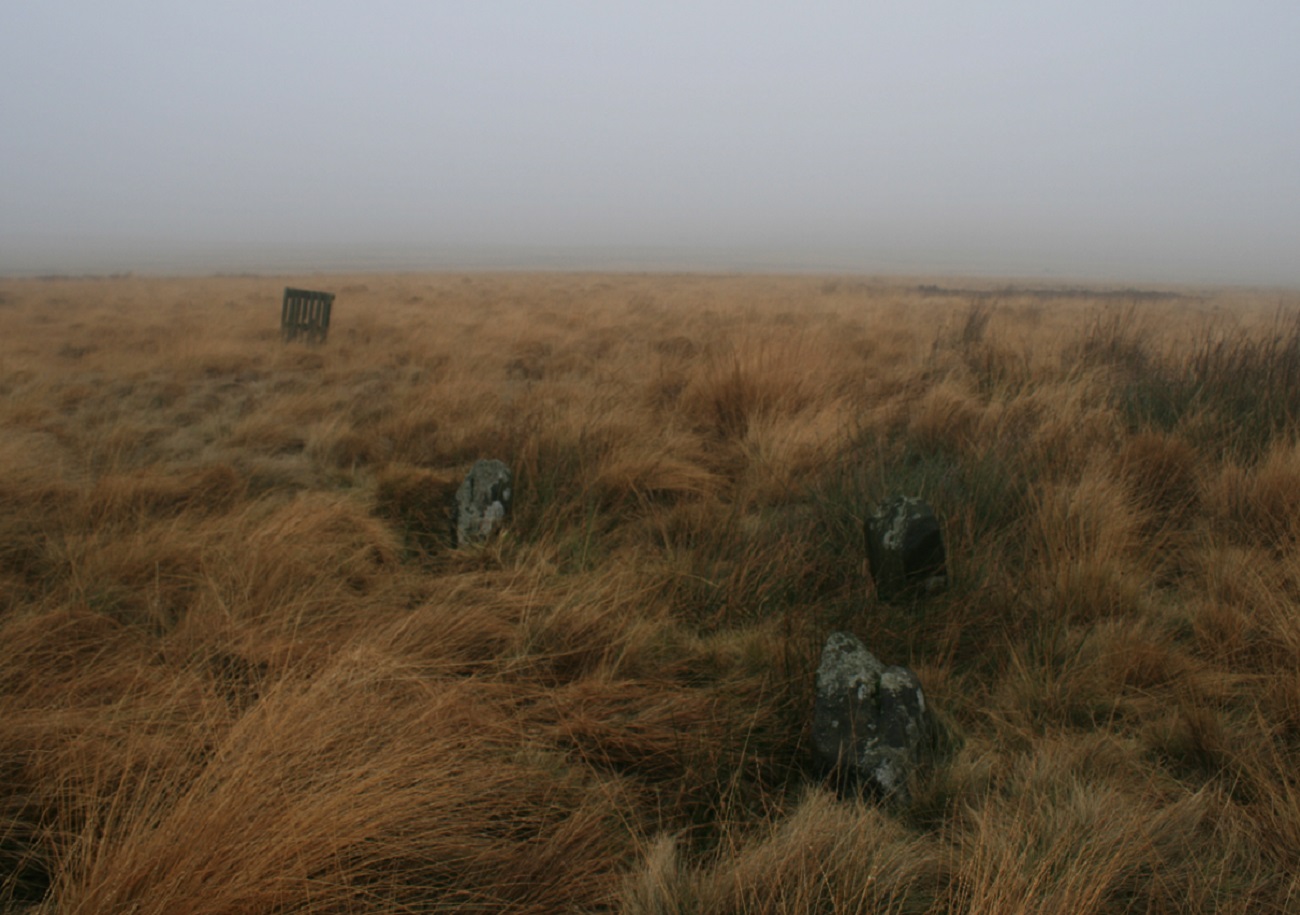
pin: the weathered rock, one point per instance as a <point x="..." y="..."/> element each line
<point x="905" y="548"/>
<point x="870" y="724"/>
<point x="482" y="502"/>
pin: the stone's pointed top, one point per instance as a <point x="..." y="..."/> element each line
<point x="845" y="662"/>
<point x="842" y="643"/>
<point x="888" y="507"/>
<point x="488" y="471"/>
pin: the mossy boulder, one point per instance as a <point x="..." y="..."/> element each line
<point x="905" y="548"/>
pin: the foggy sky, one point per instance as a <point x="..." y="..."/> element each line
<point x="1143" y="141"/>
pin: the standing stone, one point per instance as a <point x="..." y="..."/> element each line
<point x="482" y="502"/>
<point x="905" y="548"/>
<point x="870" y="724"/>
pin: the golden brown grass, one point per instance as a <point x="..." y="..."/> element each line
<point x="244" y="670"/>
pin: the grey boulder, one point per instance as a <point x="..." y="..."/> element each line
<point x="870" y="725"/>
<point x="482" y="502"/>
<point x="905" y="548"/>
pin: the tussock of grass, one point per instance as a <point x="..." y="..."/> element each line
<point x="247" y="670"/>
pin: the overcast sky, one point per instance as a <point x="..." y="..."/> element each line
<point x="1136" y="140"/>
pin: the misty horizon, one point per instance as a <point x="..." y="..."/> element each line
<point x="1159" y="144"/>
<point x="164" y="259"/>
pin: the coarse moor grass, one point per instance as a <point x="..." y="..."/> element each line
<point x="243" y="670"/>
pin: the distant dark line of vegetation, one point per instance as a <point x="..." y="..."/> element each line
<point x="1054" y="292"/>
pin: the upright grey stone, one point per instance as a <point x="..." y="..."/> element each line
<point x="905" y="548"/>
<point x="482" y="502"/>
<point x="870" y="725"/>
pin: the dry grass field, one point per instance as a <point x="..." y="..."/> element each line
<point x="242" y="670"/>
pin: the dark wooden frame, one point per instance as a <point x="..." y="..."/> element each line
<point x="305" y="314"/>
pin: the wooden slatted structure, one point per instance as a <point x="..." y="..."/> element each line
<point x="306" y="314"/>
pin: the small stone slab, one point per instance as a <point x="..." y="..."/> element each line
<point x="870" y="724"/>
<point x="482" y="502"/>
<point x="905" y="548"/>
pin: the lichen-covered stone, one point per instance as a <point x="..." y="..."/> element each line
<point x="905" y="548"/>
<point x="870" y="724"/>
<point x="482" y="502"/>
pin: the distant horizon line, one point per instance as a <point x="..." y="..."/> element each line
<point x="86" y="258"/>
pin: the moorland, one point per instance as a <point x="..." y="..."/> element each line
<point x="244" y="669"/>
